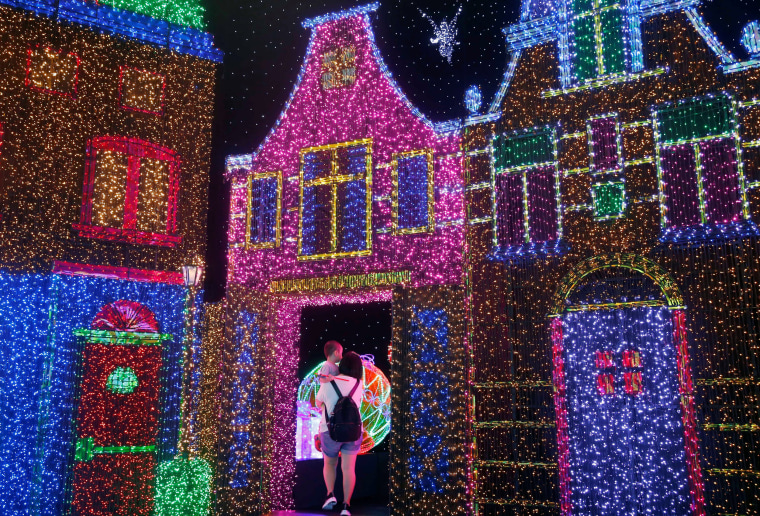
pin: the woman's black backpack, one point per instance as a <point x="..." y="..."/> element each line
<point x="345" y="423"/>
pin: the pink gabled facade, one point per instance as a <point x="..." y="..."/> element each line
<point x="361" y="103"/>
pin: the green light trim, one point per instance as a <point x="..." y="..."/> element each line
<point x="695" y="120"/>
<point x="124" y="338"/>
<point x="603" y="82"/>
<point x="188" y="13"/>
<point x="86" y="449"/>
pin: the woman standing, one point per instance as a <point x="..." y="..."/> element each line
<point x="349" y="383"/>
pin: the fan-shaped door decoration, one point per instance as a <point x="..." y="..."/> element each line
<point x="123" y="315"/>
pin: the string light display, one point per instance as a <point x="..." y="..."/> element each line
<point x="66" y="124"/>
<point x="429" y="437"/>
<point x="180" y="12"/>
<point x="182" y="487"/>
<point x="43" y="345"/>
<point x="371" y="197"/>
<point x="106" y="141"/>
<point x="375" y="410"/>
<point x="650" y="295"/>
<point x="353" y="145"/>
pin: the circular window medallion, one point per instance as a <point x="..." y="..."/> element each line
<point x="122" y="380"/>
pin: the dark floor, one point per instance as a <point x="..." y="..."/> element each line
<point x="366" y="510"/>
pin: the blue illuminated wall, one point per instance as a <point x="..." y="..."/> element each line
<point x="40" y="358"/>
<point x="429" y="400"/>
<point x="626" y="445"/>
<point x="245" y="343"/>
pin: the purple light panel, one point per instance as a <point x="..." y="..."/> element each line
<point x="679" y="167"/>
<point x="721" y="181"/>
<point x="542" y="205"/>
<point x="510" y="223"/>
<point x="604" y="143"/>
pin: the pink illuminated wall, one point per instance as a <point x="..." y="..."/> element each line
<point x="371" y="108"/>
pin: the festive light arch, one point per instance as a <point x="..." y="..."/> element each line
<point x="634" y="262"/>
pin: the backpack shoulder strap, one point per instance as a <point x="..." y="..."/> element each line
<point x="340" y="395"/>
<point x="335" y="386"/>
<point x="356" y="385"/>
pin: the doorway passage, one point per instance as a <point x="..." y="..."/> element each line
<point x="365" y="328"/>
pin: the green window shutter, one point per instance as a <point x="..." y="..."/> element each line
<point x="695" y="119"/>
<point x="585" y="48"/>
<point x="512" y="151"/>
<point x="609" y="200"/>
<point x="612" y="41"/>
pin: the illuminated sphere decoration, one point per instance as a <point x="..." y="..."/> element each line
<point x="375" y="410"/>
<point x="751" y="37"/>
<point x="473" y="99"/>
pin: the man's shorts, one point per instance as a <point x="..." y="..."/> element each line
<point x="331" y="448"/>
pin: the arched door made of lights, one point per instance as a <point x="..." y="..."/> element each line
<point x="623" y="396"/>
<point x="118" y="416"/>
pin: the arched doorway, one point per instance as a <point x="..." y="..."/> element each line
<point x="623" y="395"/>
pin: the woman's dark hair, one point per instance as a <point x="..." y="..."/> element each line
<point x="351" y="365"/>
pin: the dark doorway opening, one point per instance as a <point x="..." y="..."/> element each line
<point x="365" y="328"/>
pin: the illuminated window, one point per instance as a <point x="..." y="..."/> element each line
<point x="336" y="202"/>
<point x="242" y="413"/>
<point x="130" y="192"/>
<point x="339" y="68"/>
<point x="526" y="188"/>
<point x="52" y="71"/>
<point x="606" y="166"/>
<point x="605" y="380"/>
<point x="597" y="27"/>
<point x="122" y="380"/>
<point x="264" y="206"/>
<point x="141" y="91"/>
<point x="604" y="144"/>
<point x="413" y="194"/>
<point x="698" y="166"/>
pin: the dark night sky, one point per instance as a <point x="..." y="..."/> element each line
<point x="264" y="46"/>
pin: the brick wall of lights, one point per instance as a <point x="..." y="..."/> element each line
<point x="613" y="264"/>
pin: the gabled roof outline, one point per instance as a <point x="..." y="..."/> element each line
<point x="526" y="34"/>
<point x="246" y="160"/>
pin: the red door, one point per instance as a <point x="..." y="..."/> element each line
<point x="117" y="423"/>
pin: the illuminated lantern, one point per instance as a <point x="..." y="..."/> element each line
<point x="473" y="99"/>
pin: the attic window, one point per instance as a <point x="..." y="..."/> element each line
<point x="339" y="68"/>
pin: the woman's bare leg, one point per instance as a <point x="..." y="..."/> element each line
<point x="329" y="472"/>
<point x="348" y="466"/>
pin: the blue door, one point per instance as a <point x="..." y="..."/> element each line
<point x="625" y="432"/>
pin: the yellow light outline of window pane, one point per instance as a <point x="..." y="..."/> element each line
<point x="334" y="179"/>
<point x="430" y="227"/>
<point x="278" y="211"/>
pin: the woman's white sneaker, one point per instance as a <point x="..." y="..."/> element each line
<point x="329" y="503"/>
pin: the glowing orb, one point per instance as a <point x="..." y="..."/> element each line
<point x="375" y="410"/>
